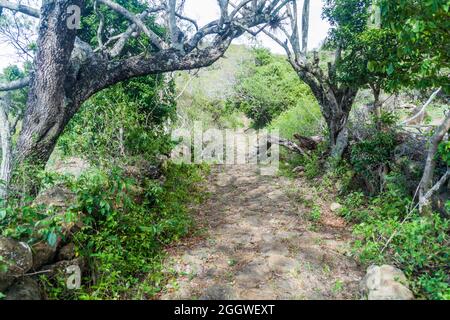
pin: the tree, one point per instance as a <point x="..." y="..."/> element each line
<point x="67" y="69"/>
<point x="421" y="28"/>
<point x="267" y="87"/>
<point x="12" y="104"/>
<point x="334" y="96"/>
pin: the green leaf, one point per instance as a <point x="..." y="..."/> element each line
<point x="51" y="239"/>
<point x="2" y="214"/>
<point x="390" y="69"/>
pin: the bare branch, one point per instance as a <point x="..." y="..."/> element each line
<point x="430" y="164"/>
<point x="192" y="21"/>
<point x="15" y="85"/>
<point x="124" y="37"/>
<point x="305" y="26"/>
<point x="156" y="40"/>
<point x="100" y="25"/>
<point x="172" y="22"/>
<point x="423" y="108"/>
<point x="20" y="8"/>
<point x="292" y="146"/>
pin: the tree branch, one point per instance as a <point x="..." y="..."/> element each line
<point x="292" y="146"/>
<point x="15" y="85"/>
<point x="423" y="108"/>
<point x="32" y="12"/>
<point x="430" y="164"/>
<point x="155" y="39"/>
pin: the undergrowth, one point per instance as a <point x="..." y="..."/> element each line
<point x="126" y="227"/>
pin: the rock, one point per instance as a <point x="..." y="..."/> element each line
<point x="385" y="283"/>
<point x="393" y="291"/>
<point x="71" y="166"/>
<point x="43" y="253"/>
<point x="335" y="207"/>
<point x="67" y="252"/>
<point x="142" y="169"/>
<point x="217" y="292"/>
<point x="299" y="169"/>
<point x="60" y="267"/>
<point x="59" y="197"/>
<point x="19" y="259"/>
<point x="25" y="288"/>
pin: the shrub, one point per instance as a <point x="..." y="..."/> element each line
<point x="125" y="230"/>
<point x="267" y="87"/>
<point x="420" y="246"/>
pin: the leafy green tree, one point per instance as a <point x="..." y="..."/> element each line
<point x="124" y="122"/>
<point x="407" y="47"/>
<point x="266" y="88"/>
<point x="422" y="34"/>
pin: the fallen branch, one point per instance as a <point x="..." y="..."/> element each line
<point x="309" y="143"/>
<point x="292" y="146"/>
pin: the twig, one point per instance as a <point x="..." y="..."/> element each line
<point x="423" y="108"/>
<point x="435" y="188"/>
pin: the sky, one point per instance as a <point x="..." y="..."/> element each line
<point x="205" y="11"/>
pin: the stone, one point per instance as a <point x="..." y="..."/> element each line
<point x="217" y="292"/>
<point x="393" y="291"/>
<point x="67" y="252"/>
<point x="335" y="207"/>
<point x="58" y="197"/>
<point x="25" y="288"/>
<point x="60" y="267"/>
<point x="385" y="283"/>
<point x="73" y="166"/>
<point x="299" y="169"/>
<point x="43" y="253"/>
<point x="18" y="257"/>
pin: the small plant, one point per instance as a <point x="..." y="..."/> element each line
<point x="315" y="214"/>
<point x="338" y="286"/>
<point x="313" y="167"/>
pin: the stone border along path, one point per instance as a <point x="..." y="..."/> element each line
<point x="260" y="244"/>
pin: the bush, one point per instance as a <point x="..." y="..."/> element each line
<point x="304" y="118"/>
<point x="124" y="121"/>
<point x="267" y="87"/>
<point x="372" y="156"/>
<point x="126" y="225"/>
<point x="420" y="247"/>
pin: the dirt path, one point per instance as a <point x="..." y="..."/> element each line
<point x="260" y="244"/>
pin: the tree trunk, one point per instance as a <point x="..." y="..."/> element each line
<point x="335" y="105"/>
<point x="430" y="164"/>
<point x="46" y="115"/>
<point x="338" y="133"/>
<point x="5" y="136"/>
<point x="377" y="106"/>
